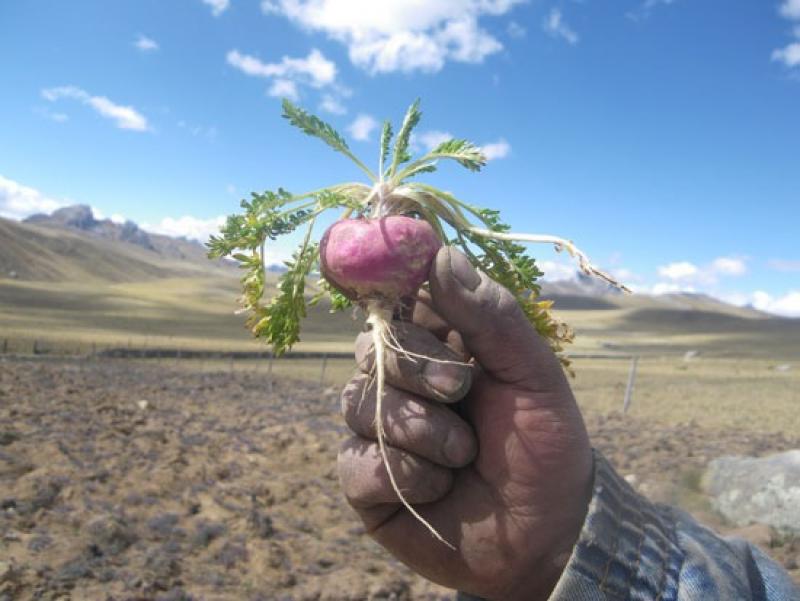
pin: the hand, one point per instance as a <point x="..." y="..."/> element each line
<point x="504" y="474"/>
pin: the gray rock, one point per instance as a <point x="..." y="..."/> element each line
<point x="749" y="490"/>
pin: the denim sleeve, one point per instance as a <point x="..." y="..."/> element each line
<point x="630" y="548"/>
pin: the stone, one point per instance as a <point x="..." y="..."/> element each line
<point x="751" y="490"/>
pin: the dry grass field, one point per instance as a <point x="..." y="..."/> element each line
<point x="177" y="313"/>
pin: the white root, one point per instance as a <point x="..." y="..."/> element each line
<point x="393" y="343"/>
<point x="380" y="320"/>
<point x="560" y="244"/>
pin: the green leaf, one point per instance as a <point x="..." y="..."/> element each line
<point x="462" y="151"/>
<point x="278" y="323"/>
<point x="418" y="169"/>
<point x="328" y="199"/>
<point x="410" y="121"/>
<point x="386" y="138"/>
<point x="316" y="127"/>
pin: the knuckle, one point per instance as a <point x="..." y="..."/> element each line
<point x="352" y="394"/>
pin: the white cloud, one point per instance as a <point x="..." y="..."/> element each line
<point x="284" y="88"/>
<point x="684" y="272"/>
<point x="645" y="8"/>
<point x="400" y="35"/>
<point x="784" y="265"/>
<point x="790" y="9"/>
<point x="515" y="30"/>
<point x="556" y="271"/>
<point x="678" y="271"/>
<point x="431" y="139"/>
<point x="118" y="219"/>
<point x="18" y="201"/>
<point x="789" y="55"/>
<point x="331" y="104"/>
<point x="787" y="305"/>
<point x="51" y="115"/>
<point x="625" y="275"/>
<point x="217" y="6"/>
<point x="125" y="117"/>
<point x="496" y="150"/>
<point x="729" y="266"/>
<point x="145" y="44"/>
<point x="187" y="226"/>
<point x="362" y="127"/>
<point x="555" y="25"/>
<point x="315" y="69"/>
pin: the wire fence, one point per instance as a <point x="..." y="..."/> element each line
<point x="324" y="367"/>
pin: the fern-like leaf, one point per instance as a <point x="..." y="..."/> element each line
<point x="386" y="138"/>
<point x="316" y="127"/>
<point x="410" y="121"/>
<point x="462" y="151"/>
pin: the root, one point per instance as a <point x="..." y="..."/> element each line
<point x="391" y="341"/>
<point x="380" y="320"/>
<point x="560" y="244"/>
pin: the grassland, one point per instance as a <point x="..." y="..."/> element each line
<point x="199" y="313"/>
<point x="179" y="313"/>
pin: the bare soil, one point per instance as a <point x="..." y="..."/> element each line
<point x="126" y="480"/>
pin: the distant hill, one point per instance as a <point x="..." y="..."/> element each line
<point x="71" y="245"/>
<point x="80" y="218"/>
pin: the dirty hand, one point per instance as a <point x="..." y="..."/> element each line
<point x="495" y="455"/>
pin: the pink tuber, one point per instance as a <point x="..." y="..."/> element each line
<point x="378" y="259"/>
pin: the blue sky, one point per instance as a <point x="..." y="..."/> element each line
<point x="660" y="135"/>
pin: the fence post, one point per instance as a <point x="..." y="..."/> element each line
<point x="324" y="367"/>
<point x="5" y="345"/>
<point x="269" y="372"/>
<point x="631" y="381"/>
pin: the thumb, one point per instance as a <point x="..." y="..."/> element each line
<point x="492" y="324"/>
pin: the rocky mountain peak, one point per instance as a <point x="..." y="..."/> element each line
<point x="81" y="217"/>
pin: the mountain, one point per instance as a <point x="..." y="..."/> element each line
<point x="71" y="245"/>
<point x="81" y="218"/>
<point x="586" y="293"/>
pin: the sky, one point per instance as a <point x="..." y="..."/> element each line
<point x="662" y="136"/>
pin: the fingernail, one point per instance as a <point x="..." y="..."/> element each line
<point x="445" y="378"/>
<point x="463" y="270"/>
